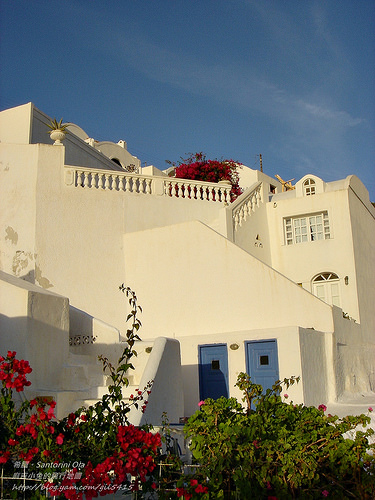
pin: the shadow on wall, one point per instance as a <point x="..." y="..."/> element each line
<point x="190" y="377"/>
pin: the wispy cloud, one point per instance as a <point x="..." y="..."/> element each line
<point x="312" y="119"/>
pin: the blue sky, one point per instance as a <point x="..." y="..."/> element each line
<point x="292" y="80"/>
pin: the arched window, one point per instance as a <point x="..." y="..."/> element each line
<point x="309" y="187"/>
<point x="326" y="286"/>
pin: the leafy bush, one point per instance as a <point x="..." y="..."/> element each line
<point x="280" y="450"/>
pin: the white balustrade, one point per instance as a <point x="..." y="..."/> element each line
<point x="109" y="180"/>
<point x="197" y="190"/>
<point x="245" y="205"/>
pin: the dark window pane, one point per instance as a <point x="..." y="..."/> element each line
<point x="264" y="360"/>
<point x="215" y="364"/>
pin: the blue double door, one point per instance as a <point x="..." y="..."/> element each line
<point x="261" y="365"/>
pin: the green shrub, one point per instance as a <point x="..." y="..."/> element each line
<point x="280" y="450"/>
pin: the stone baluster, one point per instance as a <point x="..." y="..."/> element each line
<point x="106" y="184"/>
<point x="247" y="209"/>
<point x="101" y="181"/>
<point x="236" y="219"/>
<point x="85" y="179"/>
<point x="79" y="178"/>
<point x="148" y="186"/>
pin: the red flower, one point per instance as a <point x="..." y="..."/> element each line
<point x="71" y="419"/>
<point x="4" y="457"/>
<point x="201" y="489"/>
<point x="20" y="430"/>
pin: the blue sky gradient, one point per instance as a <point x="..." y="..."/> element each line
<point x="293" y="81"/>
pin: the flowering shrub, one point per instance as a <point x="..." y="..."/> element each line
<point x="92" y="451"/>
<point x="197" y="167"/>
<point x="280" y="450"/>
<point x="192" y="488"/>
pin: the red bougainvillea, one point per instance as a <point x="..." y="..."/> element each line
<point x="197" y="167"/>
<point x="13" y="372"/>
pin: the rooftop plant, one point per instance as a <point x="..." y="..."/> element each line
<point x="197" y="167"/>
<point x="56" y="125"/>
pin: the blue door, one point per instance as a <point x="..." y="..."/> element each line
<point x="262" y="362"/>
<point x="213" y="371"/>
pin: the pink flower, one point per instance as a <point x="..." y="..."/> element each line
<point x="60" y="439"/>
<point x="323" y="408"/>
<point x="370" y="409"/>
<point x="286" y="396"/>
<point x="200" y="403"/>
<point x="325" y="493"/>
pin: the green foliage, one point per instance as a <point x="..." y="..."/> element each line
<point x="56" y="125"/>
<point x="280" y="450"/>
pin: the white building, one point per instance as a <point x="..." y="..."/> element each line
<point x="278" y="283"/>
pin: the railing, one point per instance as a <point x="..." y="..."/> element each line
<point x="197" y="190"/>
<point x="111" y="180"/>
<point x="246" y="204"/>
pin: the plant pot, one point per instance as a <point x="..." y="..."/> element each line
<point x="58" y="136"/>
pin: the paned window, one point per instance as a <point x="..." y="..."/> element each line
<point x="309" y="187"/>
<point x="309" y="228"/>
<point x="326" y="286"/>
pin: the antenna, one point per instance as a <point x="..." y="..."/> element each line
<point x="261" y="163"/>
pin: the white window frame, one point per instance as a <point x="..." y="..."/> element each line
<point x="309" y="187"/>
<point x="307" y="228"/>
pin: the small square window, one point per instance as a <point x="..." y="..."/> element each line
<point x="263" y="360"/>
<point x="215" y="364"/>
